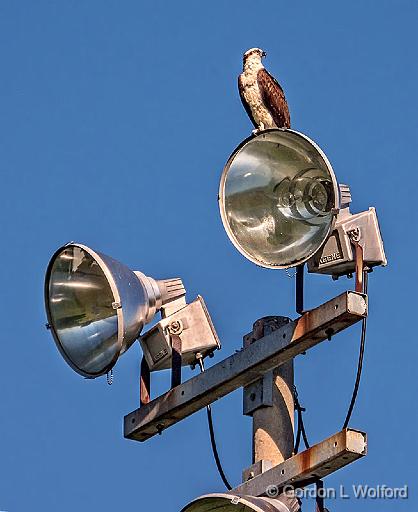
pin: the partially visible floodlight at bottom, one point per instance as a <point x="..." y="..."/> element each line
<point x="231" y="503"/>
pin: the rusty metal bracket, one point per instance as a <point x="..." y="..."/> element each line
<point x="309" y="466"/>
<point x="144" y="383"/>
<point x="354" y="236"/>
<point x="260" y="393"/>
<point x="256" y="469"/>
<point x="246" y="366"/>
<point x="300" y="271"/>
<point x="175" y="360"/>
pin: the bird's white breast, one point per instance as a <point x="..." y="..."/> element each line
<point x="252" y="95"/>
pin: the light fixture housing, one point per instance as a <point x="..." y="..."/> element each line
<point x="278" y="198"/>
<point x="337" y="256"/>
<point x="193" y="324"/>
<point x="97" y="307"/>
<point x="231" y="503"/>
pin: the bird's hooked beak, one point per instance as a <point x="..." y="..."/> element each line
<point x="263" y="54"/>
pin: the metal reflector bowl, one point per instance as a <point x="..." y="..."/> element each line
<point x="96" y="307"/>
<point x="278" y="198"/>
<point x="231" y="503"/>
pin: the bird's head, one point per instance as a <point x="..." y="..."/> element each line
<point x="254" y="55"/>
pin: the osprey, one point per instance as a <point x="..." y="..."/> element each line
<point x="261" y="94"/>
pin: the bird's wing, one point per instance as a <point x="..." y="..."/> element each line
<point x="244" y="101"/>
<point x="273" y="98"/>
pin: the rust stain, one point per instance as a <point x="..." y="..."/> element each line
<point x="305" y="461"/>
<point x="304" y="325"/>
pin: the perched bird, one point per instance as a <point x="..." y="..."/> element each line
<point x="261" y="94"/>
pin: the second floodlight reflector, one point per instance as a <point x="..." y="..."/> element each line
<point x="278" y="198"/>
<point x="97" y="307"/>
<point x="231" y="503"/>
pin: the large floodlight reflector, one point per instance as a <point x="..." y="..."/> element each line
<point x="97" y="307"/>
<point x="278" y="198"/>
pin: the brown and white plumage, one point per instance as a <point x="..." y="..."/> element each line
<point x="261" y="94"/>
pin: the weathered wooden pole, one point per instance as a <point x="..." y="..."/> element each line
<point x="273" y="427"/>
<point x="270" y="402"/>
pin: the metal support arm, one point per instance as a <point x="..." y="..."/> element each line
<point x="246" y="366"/>
<point x="309" y="466"/>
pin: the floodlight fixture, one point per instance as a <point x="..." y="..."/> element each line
<point x="337" y="257"/>
<point x="232" y="503"/>
<point x="97" y="308"/>
<point x="278" y="198"/>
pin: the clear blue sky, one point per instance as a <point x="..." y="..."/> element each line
<point x="116" y="119"/>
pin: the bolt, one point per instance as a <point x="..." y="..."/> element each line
<point x="176" y="327"/>
<point x="329" y="332"/>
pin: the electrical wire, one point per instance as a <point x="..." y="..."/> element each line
<point x="319" y="501"/>
<point x="297" y="440"/>
<point x="301" y="432"/>
<point x="212" y="437"/>
<point x="215" y="449"/>
<point x="360" y="359"/>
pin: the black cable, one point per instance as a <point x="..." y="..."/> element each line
<point x="298" y="434"/>
<point x="360" y="359"/>
<point x="212" y="437"/>
<point x="319" y="507"/>
<point x="305" y="438"/>
<point x="301" y="426"/>
<point x="215" y="449"/>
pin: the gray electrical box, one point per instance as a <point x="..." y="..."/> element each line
<point x="337" y="256"/>
<point x="192" y="324"/>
